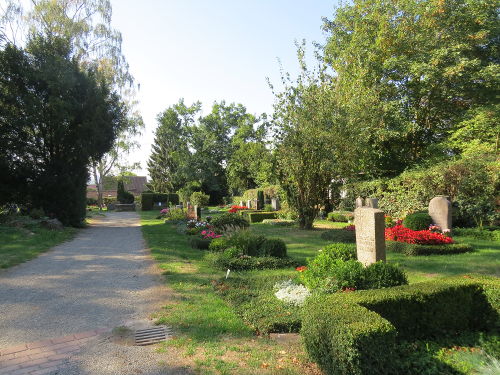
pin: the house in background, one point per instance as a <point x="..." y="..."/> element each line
<point x="133" y="184"/>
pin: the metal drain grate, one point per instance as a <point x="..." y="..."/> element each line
<point x="150" y="335"/>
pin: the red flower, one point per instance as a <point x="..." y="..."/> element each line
<point x="235" y="209"/>
<point x="422" y="237"/>
<point x="301" y="268"/>
<point x="350" y="227"/>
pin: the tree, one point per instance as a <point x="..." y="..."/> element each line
<point x="169" y="161"/>
<point x="313" y="144"/>
<point x="54" y="117"/>
<point x="411" y="71"/>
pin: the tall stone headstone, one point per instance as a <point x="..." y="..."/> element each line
<point x="242" y="203"/>
<point x="275" y="202"/>
<point x="249" y="203"/>
<point x="371" y="202"/>
<point x="197" y="213"/>
<point x="191" y="214"/>
<point x="370" y="234"/>
<point x="440" y="212"/>
<point x="359" y="202"/>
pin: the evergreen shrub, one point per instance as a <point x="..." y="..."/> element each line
<point x="219" y="244"/>
<point x="258" y="216"/>
<point x="339" y="235"/>
<point x="417" y="221"/>
<point x="417" y="249"/>
<point x="229" y="221"/>
<point x="273" y="247"/>
<point x="149" y="199"/>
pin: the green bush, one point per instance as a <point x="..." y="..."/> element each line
<point x="383" y="275"/>
<point x="229" y="221"/>
<point x="199" y="199"/>
<point x="478" y="233"/>
<point x="247" y="242"/>
<point x="279" y="222"/>
<point x="260" y="199"/>
<point x="273" y="247"/>
<point x="417" y="221"/>
<point x="339" y="235"/>
<point x="199" y="243"/>
<point x="219" y="244"/>
<point x="356" y="333"/>
<point x="337" y="217"/>
<point x="258" y="216"/>
<point x="176" y="214"/>
<point x="227" y="260"/>
<point x="122" y="195"/>
<point x="148" y="200"/>
<point x="416" y="249"/>
<point x="268" y="207"/>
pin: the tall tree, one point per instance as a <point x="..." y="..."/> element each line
<point x="411" y="70"/>
<point x="170" y="156"/>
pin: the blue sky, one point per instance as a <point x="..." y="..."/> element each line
<point x="211" y="51"/>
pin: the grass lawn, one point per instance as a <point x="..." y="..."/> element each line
<point x="19" y="245"/>
<point x="214" y="333"/>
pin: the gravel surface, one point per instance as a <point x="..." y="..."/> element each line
<point x="103" y="278"/>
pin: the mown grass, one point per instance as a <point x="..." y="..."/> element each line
<point x="18" y="245"/>
<point x="214" y="335"/>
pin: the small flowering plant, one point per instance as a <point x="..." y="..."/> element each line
<point x="435" y="228"/>
<point x="350" y="228"/>
<point x="422" y="237"/>
<point x="301" y="268"/>
<point x="291" y="293"/>
<point x="209" y="234"/>
<point x="234" y="209"/>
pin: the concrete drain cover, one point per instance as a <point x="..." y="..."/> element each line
<point x="150" y="336"/>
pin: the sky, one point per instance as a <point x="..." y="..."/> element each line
<point x="212" y="51"/>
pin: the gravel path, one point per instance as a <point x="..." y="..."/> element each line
<point x="103" y="278"/>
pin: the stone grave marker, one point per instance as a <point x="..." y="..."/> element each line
<point x="249" y="204"/>
<point x="191" y="214"/>
<point x="370" y="234"/>
<point x="197" y="213"/>
<point x="242" y="203"/>
<point x="371" y="202"/>
<point x="275" y="202"/>
<point x="440" y="212"/>
<point x="359" y="202"/>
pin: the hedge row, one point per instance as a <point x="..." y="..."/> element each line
<point x="258" y="216"/>
<point x="357" y="333"/>
<point x="149" y="199"/>
<point x="416" y="249"/>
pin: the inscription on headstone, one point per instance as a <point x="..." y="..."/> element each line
<point x="440" y="212"/>
<point x="370" y="236"/>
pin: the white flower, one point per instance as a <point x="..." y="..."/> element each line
<point x="291" y="293"/>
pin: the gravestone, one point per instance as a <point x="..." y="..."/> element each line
<point x="197" y="213"/>
<point x="370" y="234"/>
<point x="359" y="202"/>
<point x="242" y="203"/>
<point x="371" y="202"/>
<point x="191" y="214"/>
<point x="249" y="204"/>
<point x="276" y="204"/>
<point x="440" y="212"/>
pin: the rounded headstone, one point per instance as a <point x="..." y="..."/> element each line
<point x="440" y="212"/>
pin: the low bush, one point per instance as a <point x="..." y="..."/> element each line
<point x="383" y="275"/>
<point x="149" y="199"/>
<point x="416" y="249"/>
<point x="199" y="243"/>
<point x="229" y="221"/>
<point x="337" y="217"/>
<point x="339" y="235"/>
<point x="273" y="247"/>
<point x="423" y="237"/>
<point x="258" y="216"/>
<point x="268" y="207"/>
<point x="228" y="260"/>
<point x="279" y="222"/>
<point x="478" y="233"/>
<point x="247" y="242"/>
<point x="357" y="333"/>
<point x="218" y="245"/>
<point x="417" y="221"/>
<point x="175" y="214"/>
<point x="199" y="199"/>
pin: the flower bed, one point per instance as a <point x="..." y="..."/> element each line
<point x="422" y="237"/>
<point x="235" y="208"/>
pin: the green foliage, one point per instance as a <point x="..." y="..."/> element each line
<point x="383" y="275"/>
<point x="268" y="207"/>
<point x="478" y="233"/>
<point x="356" y="332"/>
<point x="185" y="192"/>
<point x="48" y="136"/>
<point x="149" y="199"/>
<point x="470" y="183"/>
<point x="219" y="244"/>
<point x="258" y="216"/>
<point x="36" y="213"/>
<point x="227" y="260"/>
<point x="122" y="195"/>
<point x="260" y="199"/>
<point x="279" y="222"/>
<point x="339" y="217"/>
<point x="416" y="249"/>
<point x="273" y="247"/>
<point x="229" y="221"/>
<point x="247" y="242"/>
<point x="417" y="221"/>
<point x="176" y="214"/>
<point x="339" y="235"/>
<point x="199" y="199"/>
<point x="199" y="243"/>
<point x="91" y="201"/>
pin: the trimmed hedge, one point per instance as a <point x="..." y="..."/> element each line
<point x="224" y="261"/>
<point x="416" y="249"/>
<point x="274" y="247"/>
<point x="357" y="333"/>
<point x="199" y="243"/>
<point x="417" y="221"/>
<point x="149" y="199"/>
<point x="478" y="233"/>
<point x="340" y="216"/>
<point x="258" y="216"/>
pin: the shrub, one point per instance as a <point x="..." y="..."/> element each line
<point x="36" y="213"/>
<point x="416" y="249"/>
<point x="423" y="237"/>
<point x="229" y="221"/>
<point x="176" y="214"/>
<point x="91" y="201"/>
<point x="122" y="195"/>
<point x="478" y="233"/>
<point x="199" y="243"/>
<point x="268" y="207"/>
<point x="273" y="247"/>
<point x="148" y="200"/>
<point x="279" y="222"/>
<point x="339" y="235"/>
<point x="258" y="216"/>
<point x="337" y="217"/>
<point x="247" y="242"/>
<point x="219" y="244"/>
<point x="226" y="260"/>
<point x="332" y="275"/>
<point x="417" y="221"/>
<point x="199" y="199"/>
<point x="383" y="275"/>
<point x="260" y="199"/>
<point x="356" y="333"/>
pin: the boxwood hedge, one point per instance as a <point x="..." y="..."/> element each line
<point x="416" y="249"/>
